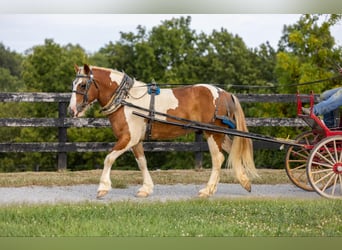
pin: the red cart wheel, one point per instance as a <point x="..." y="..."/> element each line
<point x="296" y="160"/>
<point x="324" y="167"/>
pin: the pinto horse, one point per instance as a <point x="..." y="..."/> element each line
<point x="119" y="96"/>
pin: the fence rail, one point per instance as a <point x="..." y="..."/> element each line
<point x="62" y="147"/>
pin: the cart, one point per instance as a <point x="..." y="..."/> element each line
<point x="317" y="165"/>
<point x="313" y="160"/>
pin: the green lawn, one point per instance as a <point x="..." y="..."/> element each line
<point x="247" y="217"/>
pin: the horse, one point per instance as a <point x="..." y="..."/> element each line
<point x="119" y="96"/>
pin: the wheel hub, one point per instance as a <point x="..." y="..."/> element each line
<point x="337" y="168"/>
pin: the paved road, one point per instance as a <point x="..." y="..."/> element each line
<point x="82" y="193"/>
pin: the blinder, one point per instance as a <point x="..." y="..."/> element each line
<point x="85" y="87"/>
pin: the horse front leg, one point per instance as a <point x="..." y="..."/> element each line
<point x="147" y="187"/>
<point x="105" y="182"/>
<point x="217" y="159"/>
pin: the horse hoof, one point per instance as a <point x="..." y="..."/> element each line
<point x="247" y="186"/>
<point x="203" y="195"/>
<point x="101" y="194"/>
<point x="142" y="194"/>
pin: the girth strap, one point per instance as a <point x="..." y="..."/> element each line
<point x="224" y="118"/>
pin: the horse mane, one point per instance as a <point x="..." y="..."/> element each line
<point x="107" y="69"/>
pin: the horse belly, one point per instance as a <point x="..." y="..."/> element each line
<point x="165" y="131"/>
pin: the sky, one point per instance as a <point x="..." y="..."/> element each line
<point x="20" y="32"/>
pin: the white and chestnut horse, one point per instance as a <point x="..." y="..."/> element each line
<point x="119" y="96"/>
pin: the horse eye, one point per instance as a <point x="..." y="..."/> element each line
<point x="83" y="86"/>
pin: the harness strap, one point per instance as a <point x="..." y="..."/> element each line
<point x="120" y="94"/>
<point x="152" y="91"/>
<point x="224" y="119"/>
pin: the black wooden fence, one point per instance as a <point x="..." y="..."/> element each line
<point x="63" y="122"/>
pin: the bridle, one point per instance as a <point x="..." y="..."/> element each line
<point x="116" y="100"/>
<point x="85" y="87"/>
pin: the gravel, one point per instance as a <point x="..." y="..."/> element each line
<point x="87" y="193"/>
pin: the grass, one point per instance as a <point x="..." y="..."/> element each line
<point x="122" y="179"/>
<point x="199" y="218"/>
<point x="195" y="217"/>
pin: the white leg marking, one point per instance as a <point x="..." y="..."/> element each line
<point x="147" y="187"/>
<point x="105" y="183"/>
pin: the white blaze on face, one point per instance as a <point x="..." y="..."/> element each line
<point x="73" y="103"/>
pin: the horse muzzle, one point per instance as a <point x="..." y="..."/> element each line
<point x="73" y="113"/>
<point x="79" y="111"/>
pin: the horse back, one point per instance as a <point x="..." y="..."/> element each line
<point x="201" y="102"/>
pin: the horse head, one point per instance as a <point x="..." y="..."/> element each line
<point x="84" y="91"/>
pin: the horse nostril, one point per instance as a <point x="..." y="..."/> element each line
<point x="71" y="112"/>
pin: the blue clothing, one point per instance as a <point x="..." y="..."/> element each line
<point x="328" y="107"/>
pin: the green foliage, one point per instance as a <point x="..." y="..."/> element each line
<point x="171" y="52"/>
<point x="49" y="67"/>
<point x="10" y="60"/>
<point x="307" y="52"/>
<point x="10" y="70"/>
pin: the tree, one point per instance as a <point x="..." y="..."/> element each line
<point x="167" y="53"/>
<point x="10" y="60"/>
<point x="307" y="52"/>
<point x="225" y="59"/>
<point x="10" y="70"/>
<point x="49" y="67"/>
<point x="175" y="51"/>
<point x="46" y="68"/>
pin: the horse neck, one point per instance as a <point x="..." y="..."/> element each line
<point x="108" y="82"/>
<point x="118" y="85"/>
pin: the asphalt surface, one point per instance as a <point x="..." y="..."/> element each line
<point x="87" y="193"/>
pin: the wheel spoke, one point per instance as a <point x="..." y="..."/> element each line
<point x="325" y="158"/>
<point x="297" y="161"/>
<point x="322" y="164"/>
<point x="300" y="155"/>
<point x="321" y="171"/>
<point x="334" y="185"/>
<point x="299" y="167"/>
<point x="330" y="155"/>
<point x="323" y="167"/>
<point x="328" y="182"/>
<point x="323" y="178"/>
<point x="340" y="158"/>
<point x="335" y="150"/>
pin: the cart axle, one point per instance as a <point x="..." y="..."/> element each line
<point x="337" y="168"/>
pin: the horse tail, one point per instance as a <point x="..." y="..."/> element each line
<point x="241" y="150"/>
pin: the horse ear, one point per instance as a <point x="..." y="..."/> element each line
<point x="86" y="69"/>
<point x="76" y="68"/>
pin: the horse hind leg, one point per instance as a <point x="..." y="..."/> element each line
<point x="217" y="159"/>
<point x="237" y="163"/>
<point x="240" y="149"/>
<point x="147" y="187"/>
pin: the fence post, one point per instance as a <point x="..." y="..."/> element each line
<point x="62" y="137"/>
<point x="199" y="154"/>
